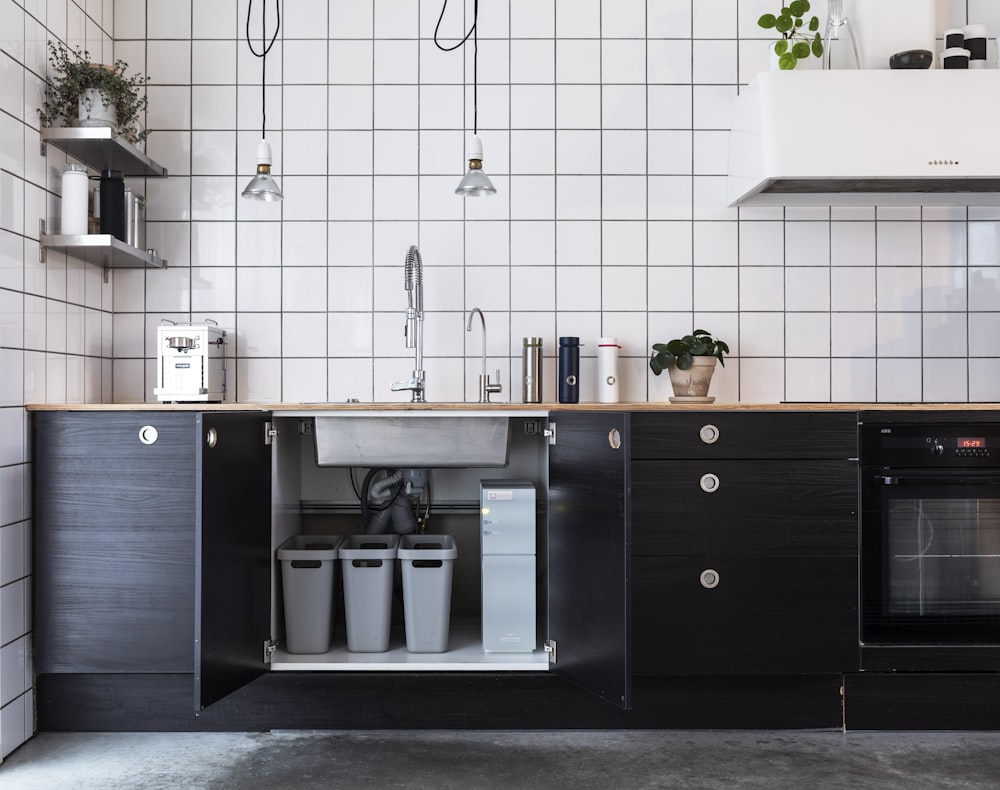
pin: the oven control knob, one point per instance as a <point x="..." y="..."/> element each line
<point x="937" y="448"/>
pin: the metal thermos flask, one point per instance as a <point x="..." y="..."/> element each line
<point x="569" y="370"/>
<point x="113" y="203"/>
<point x="531" y="360"/>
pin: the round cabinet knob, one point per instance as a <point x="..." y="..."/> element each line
<point x="709" y="483"/>
<point x="148" y="434"/>
<point x="709" y="579"/>
<point x="212" y="437"/>
<point x="614" y="439"/>
<point x="709" y="434"/>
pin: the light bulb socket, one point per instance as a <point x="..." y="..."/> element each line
<point x="263" y="153"/>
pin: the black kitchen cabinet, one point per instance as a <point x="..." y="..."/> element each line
<point x="588" y="552"/>
<point x="152" y="545"/>
<point x="628" y="619"/>
<point x="744" y="543"/>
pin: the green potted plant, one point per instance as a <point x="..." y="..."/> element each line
<point x="84" y="93"/>
<point x="690" y="361"/>
<point x="794" y="44"/>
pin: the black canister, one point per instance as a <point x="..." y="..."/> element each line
<point x="569" y="370"/>
<point x="113" y="203"/>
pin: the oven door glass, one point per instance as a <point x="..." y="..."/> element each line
<point x="931" y="559"/>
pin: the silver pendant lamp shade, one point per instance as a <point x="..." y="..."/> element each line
<point x="475" y="183"/>
<point x="263" y="186"/>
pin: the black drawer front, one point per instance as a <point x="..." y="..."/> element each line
<point x="745" y="435"/>
<point x="766" y="615"/>
<point x="763" y="508"/>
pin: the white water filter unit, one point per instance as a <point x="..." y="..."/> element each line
<point x="507" y="519"/>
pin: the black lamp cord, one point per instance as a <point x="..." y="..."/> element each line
<point x="475" y="56"/>
<point x="265" y="48"/>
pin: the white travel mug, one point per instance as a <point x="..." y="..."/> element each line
<point x="75" y="194"/>
<point x="607" y="370"/>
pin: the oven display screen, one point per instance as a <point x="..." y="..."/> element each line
<point x="973" y="441"/>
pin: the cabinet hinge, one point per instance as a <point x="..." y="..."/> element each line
<point x="269" y="432"/>
<point x="550" y="648"/>
<point x="551" y="432"/>
<point x="269" y="647"/>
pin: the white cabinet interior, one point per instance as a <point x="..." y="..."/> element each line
<point x="308" y="499"/>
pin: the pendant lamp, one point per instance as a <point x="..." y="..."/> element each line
<point x="262" y="186"/>
<point x="475" y="182"/>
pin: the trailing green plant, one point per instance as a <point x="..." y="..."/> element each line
<point x="76" y="73"/>
<point x="794" y="44"/>
<point x="681" y="351"/>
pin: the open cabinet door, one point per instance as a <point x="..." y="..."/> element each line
<point x="232" y="553"/>
<point x="589" y="545"/>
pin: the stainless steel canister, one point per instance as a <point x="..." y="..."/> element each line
<point x="531" y="358"/>
<point x="130" y="217"/>
<point x="135" y="219"/>
<point x="140" y="221"/>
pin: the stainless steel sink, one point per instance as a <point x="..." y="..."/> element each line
<point x="411" y="441"/>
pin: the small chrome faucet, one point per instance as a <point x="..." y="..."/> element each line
<point x="413" y="281"/>
<point x="485" y="387"/>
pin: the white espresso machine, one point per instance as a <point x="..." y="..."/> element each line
<point x="190" y="363"/>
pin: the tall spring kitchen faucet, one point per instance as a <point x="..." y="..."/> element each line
<point x="413" y="281"/>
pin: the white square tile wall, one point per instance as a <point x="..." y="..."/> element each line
<point x="605" y="126"/>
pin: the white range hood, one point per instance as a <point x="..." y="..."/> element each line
<point x="870" y="137"/>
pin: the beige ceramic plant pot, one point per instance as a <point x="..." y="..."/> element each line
<point x="693" y="382"/>
<point x="96" y="109"/>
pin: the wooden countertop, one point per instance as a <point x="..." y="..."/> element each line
<point x="509" y="407"/>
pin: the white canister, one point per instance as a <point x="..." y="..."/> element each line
<point x="975" y="42"/>
<point x="75" y="196"/>
<point x="607" y="370"/>
<point x="885" y="27"/>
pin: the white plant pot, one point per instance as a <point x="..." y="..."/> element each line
<point x="693" y="382"/>
<point x="96" y="109"/>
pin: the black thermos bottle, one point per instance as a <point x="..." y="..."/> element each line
<point x="569" y="370"/>
<point x="113" y="203"/>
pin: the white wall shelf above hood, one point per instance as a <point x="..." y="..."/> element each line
<point x="871" y="137"/>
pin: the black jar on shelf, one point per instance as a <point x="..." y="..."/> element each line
<point x="113" y="203"/>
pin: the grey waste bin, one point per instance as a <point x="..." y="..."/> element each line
<point x="308" y="571"/>
<point x="427" y="569"/>
<point x="367" y="563"/>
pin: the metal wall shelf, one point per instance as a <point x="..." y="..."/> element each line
<point x="102" y="149"/>
<point x="103" y="249"/>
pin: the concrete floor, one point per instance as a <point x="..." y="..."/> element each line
<point x="702" y="760"/>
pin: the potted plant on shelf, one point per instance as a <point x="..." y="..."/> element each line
<point x="690" y="361"/>
<point x="92" y="94"/>
<point x="794" y="45"/>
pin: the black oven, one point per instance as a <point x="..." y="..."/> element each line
<point x="930" y="531"/>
